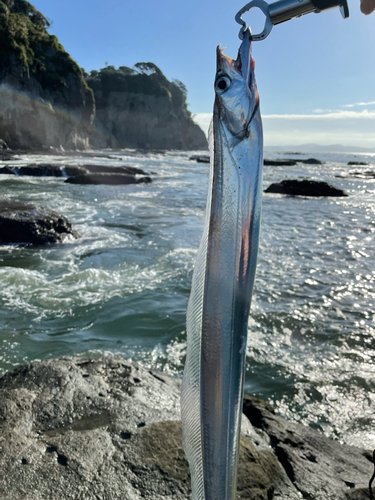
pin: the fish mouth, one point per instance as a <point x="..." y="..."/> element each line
<point x="236" y="95"/>
<point x="244" y="64"/>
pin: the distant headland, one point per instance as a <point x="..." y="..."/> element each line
<point x="48" y="101"/>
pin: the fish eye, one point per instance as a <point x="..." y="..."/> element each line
<point x="222" y="84"/>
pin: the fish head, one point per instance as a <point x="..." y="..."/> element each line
<point x="236" y="95"/>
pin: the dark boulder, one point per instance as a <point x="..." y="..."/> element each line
<point x="289" y="162"/>
<point x="304" y="188"/>
<point x="43" y="170"/>
<point x="50" y="170"/>
<point x="318" y="467"/>
<point x="311" y="161"/>
<point x="363" y="175"/>
<point x="108" y="179"/>
<point x="104" y="169"/>
<point x="8" y="155"/>
<point x="279" y="163"/>
<point x="28" y="223"/>
<point x="72" y="170"/>
<point x="200" y="158"/>
<point x="6" y="170"/>
<point x="3" y="145"/>
<point x="357" y="163"/>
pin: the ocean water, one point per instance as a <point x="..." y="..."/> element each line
<point x="123" y="285"/>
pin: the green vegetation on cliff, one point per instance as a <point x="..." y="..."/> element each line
<point x="135" y="107"/>
<point x="35" y="64"/>
<point x="144" y="78"/>
<point x="26" y="44"/>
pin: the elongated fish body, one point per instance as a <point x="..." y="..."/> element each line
<point x="223" y="278"/>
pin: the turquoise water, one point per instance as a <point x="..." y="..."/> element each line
<point x="123" y="285"/>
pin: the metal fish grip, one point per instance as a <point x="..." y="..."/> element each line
<point x="284" y="10"/>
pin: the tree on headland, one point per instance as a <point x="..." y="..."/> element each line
<point x="143" y="78"/>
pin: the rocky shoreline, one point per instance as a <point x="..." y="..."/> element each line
<point x="109" y="429"/>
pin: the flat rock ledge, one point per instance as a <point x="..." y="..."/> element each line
<point x="290" y="162"/>
<point x="304" y="187"/>
<point x="285" y="162"/>
<point x="82" y="174"/>
<point x="28" y="223"/>
<point x="109" y="429"/>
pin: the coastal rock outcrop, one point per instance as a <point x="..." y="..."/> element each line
<point x="108" y="428"/>
<point x="318" y="467"/>
<point x="200" y="158"/>
<point x="44" y="100"/>
<point x="110" y="179"/>
<point x="83" y="174"/>
<point x="279" y="163"/>
<point x="47" y="100"/>
<point x="139" y="108"/>
<point x="290" y="162"/>
<point x="311" y="161"/>
<point x="28" y="223"/>
<point x="366" y="174"/>
<point x="304" y="187"/>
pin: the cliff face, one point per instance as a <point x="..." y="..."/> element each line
<point x="140" y="108"/>
<point x="44" y="100"/>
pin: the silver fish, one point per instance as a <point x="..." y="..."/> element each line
<point x="223" y="279"/>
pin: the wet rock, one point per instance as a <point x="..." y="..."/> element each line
<point x="103" y="169"/>
<point x="8" y="155"/>
<point x="3" y="145"/>
<point x="107" y="429"/>
<point x="279" y="163"/>
<point x="72" y="170"/>
<point x="44" y="170"/>
<point x="73" y="428"/>
<point x="50" y="170"/>
<point x="304" y="188"/>
<point x="318" y="467"/>
<point x="357" y="163"/>
<point x="29" y="223"/>
<point x="363" y="175"/>
<point x="108" y="178"/>
<point x="291" y="162"/>
<point x="6" y="170"/>
<point x="311" y="161"/>
<point x="200" y="158"/>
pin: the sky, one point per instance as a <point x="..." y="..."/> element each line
<point x="315" y="74"/>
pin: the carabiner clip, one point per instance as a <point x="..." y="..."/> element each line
<point x="264" y="7"/>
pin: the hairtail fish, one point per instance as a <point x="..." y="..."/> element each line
<point x="222" y="284"/>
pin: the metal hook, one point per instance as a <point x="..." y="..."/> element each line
<point x="264" y="7"/>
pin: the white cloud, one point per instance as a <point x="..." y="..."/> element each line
<point x="347" y="127"/>
<point x="203" y="120"/>
<point x="370" y="103"/>
<point x="334" y="115"/>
